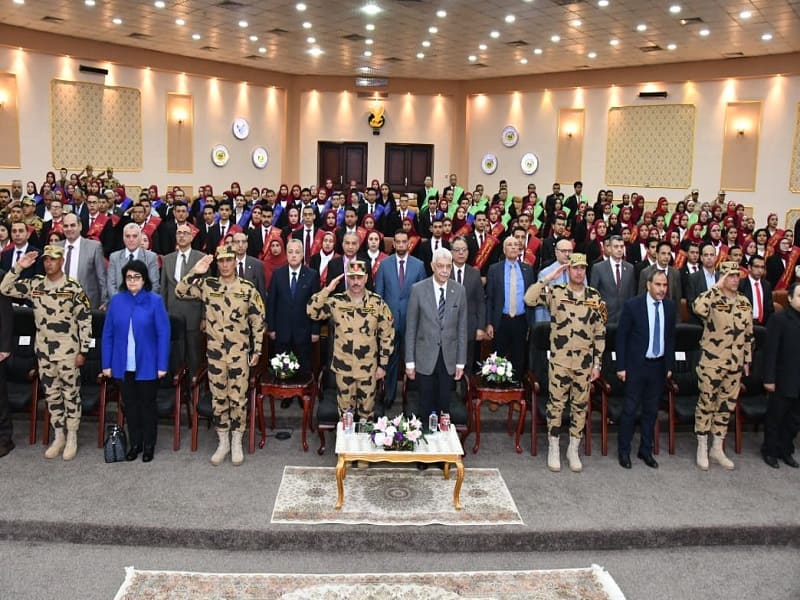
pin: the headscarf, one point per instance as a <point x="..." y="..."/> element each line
<point x="272" y="262"/>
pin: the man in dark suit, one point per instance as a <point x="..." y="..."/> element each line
<point x="6" y="346"/>
<point x="703" y="280"/>
<point x="426" y="249"/>
<point x="547" y="253"/>
<point x="758" y="291"/>
<point x="645" y="358"/>
<point x="306" y="233"/>
<point x="648" y="260"/>
<point x="249" y="267"/>
<point x="782" y="381"/>
<point x="18" y="248"/>
<point x="663" y="258"/>
<point x="175" y="266"/>
<point x="470" y="278"/>
<point x="288" y="323"/>
<point x="691" y="266"/>
<point x="218" y="231"/>
<point x="257" y="237"/>
<point x="350" y="225"/>
<point x="614" y="279"/>
<point x="395" y="292"/>
<point x="476" y="241"/>
<point x="167" y="230"/>
<point x="506" y="314"/>
<point x="337" y="265"/>
<point x="436" y="336"/>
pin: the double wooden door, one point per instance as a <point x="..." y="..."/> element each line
<point x="342" y="162"/>
<point x="407" y="166"/>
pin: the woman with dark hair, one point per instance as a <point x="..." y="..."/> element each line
<point x="135" y="351"/>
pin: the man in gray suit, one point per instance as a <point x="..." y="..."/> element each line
<point x="436" y="335"/>
<point x="663" y="258"/>
<point x="83" y="260"/>
<point x="176" y="265"/>
<point x="249" y="267"/>
<point x="614" y="279"/>
<point x="132" y="239"/>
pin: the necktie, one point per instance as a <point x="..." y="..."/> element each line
<point x="459" y="275"/>
<point x="657" y="333"/>
<point x="130" y="256"/>
<point x="19" y="254"/>
<point x="437" y="245"/>
<point x="619" y="276"/>
<point x="241" y="269"/>
<point x="68" y="261"/>
<point x="441" y="303"/>
<point x="221" y="233"/>
<point x="512" y="291"/>
<point x="293" y="283"/>
<point x="759" y="302"/>
<point x="401" y="273"/>
<point x="182" y="267"/>
<point x="480" y="240"/>
<point x="91" y="222"/>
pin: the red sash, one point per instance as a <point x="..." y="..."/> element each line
<point x="274" y="234"/>
<point x="772" y="243"/>
<point x="788" y="273"/>
<point x="362" y="235"/>
<point x="316" y="245"/>
<point x="377" y="263"/>
<point x="57" y="227"/>
<point x="529" y="256"/>
<point x="497" y="229"/>
<point x="97" y="227"/>
<point x="464" y="230"/>
<point x="323" y="276"/>
<point x="485" y="251"/>
<point x="680" y="259"/>
<point x="150" y="227"/>
<point x="413" y="242"/>
<point x="722" y="256"/>
<point x="231" y="230"/>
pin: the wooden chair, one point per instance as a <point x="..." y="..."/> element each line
<point x="22" y="377"/>
<point x="683" y="391"/>
<point x="751" y="405"/>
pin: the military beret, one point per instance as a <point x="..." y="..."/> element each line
<point x="53" y="251"/>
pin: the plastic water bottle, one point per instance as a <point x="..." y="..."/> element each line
<point x="347" y="421"/>
<point x="433" y="423"/>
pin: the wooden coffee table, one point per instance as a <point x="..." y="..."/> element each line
<point x="443" y="446"/>
<point x="274" y="388"/>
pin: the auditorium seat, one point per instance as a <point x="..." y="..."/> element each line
<point x="21" y="374"/>
<point x="751" y="405"/>
<point x="683" y="391"/>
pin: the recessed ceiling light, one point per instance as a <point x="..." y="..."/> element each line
<point x="577" y="22"/>
<point x="196" y="36"/>
<point x="704" y="32"/>
<point x="116" y="21"/>
<point x="675" y="9"/>
<point x="441" y="14"/>
<point x="614" y="42"/>
<point x="433" y="30"/>
<point x="243" y="23"/>
<point x="315" y="51"/>
<point x="592" y="55"/>
<point x="420" y="55"/>
<point x="311" y="40"/>
<point x="253" y="38"/>
<point x="426" y="44"/>
<point x="472" y="58"/>
<point x="495" y="34"/>
<point x="369" y="41"/>
<point x="364" y="69"/>
<point x="602" y="3"/>
<point x="306" y="25"/>
<point x="180" y="22"/>
<point x="157" y="3"/>
<point x="745" y="14"/>
<point x="367" y="53"/>
<point x="19" y="1"/>
<point x="537" y="51"/>
<point x="641" y="27"/>
<point x="482" y="46"/>
<point x="300" y="6"/>
<point x="555" y="38"/>
<point x="523" y="61"/>
<point x="510" y="19"/>
<point x="766" y="37"/>
<point x="671" y="46"/>
<point x="369" y="27"/>
<point x="371" y="9"/>
<point x="262" y="50"/>
<point x="88" y="3"/>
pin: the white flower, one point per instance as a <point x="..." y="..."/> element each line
<point x="387" y="441"/>
<point x="379" y="438"/>
<point x="382" y="423"/>
<point x="414" y="435"/>
<point x="397" y="420"/>
<point x="390" y="431"/>
<point x="415" y="422"/>
<point x="485" y="370"/>
<point x="501" y="370"/>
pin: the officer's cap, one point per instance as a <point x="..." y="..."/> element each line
<point x="578" y="260"/>
<point x="695" y="191"/>
<point x="357" y="268"/>
<point x="225" y="252"/>
<point x="730" y="267"/>
<point x="28" y="202"/>
<point x="721" y="193"/>
<point x="53" y="251"/>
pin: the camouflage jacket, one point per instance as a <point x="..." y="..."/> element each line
<point x="727" y="342"/>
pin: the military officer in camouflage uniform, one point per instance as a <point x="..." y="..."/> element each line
<point x="63" y="330"/>
<point x="235" y="329"/>
<point x="363" y="338"/>
<point x="726" y="351"/>
<point x="577" y="340"/>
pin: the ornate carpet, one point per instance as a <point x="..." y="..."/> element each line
<point x="593" y="583"/>
<point x="394" y="496"/>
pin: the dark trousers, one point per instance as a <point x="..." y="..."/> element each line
<point x="6" y="430"/>
<point x="509" y="341"/>
<point x="434" y="391"/>
<point x="141" y="410"/>
<point x="643" y="387"/>
<point x="301" y="351"/>
<point x="781" y="425"/>
<point x="392" y="371"/>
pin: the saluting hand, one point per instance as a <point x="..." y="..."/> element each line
<point x="203" y="265"/>
<point x="28" y="259"/>
<point x="332" y="285"/>
<point x="557" y="273"/>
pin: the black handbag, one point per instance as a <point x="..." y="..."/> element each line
<point x="116" y="446"/>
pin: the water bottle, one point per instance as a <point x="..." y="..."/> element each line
<point x="433" y="422"/>
<point x="347" y="421"/>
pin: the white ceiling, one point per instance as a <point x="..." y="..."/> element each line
<point x="402" y="26"/>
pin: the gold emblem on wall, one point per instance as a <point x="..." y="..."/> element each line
<point x="377" y="118"/>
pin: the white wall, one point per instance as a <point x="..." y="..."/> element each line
<point x="216" y="104"/>
<point x="535" y="115"/>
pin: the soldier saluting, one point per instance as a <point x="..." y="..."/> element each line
<point x="63" y="330"/>
<point x="577" y="341"/>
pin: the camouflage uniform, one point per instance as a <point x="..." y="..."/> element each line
<point x="63" y="330"/>
<point x="363" y="340"/>
<point x="235" y="328"/>
<point x="577" y="342"/>
<point x="726" y="346"/>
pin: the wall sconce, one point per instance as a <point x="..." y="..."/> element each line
<point x="741" y="127"/>
<point x="180" y="116"/>
<point x="570" y="130"/>
<point x="3" y="100"/>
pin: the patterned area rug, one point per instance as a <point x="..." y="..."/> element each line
<point x="394" y="496"/>
<point x="593" y="583"/>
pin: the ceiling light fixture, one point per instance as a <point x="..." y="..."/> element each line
<point x="482" y="46"/>
<point x="510" y="19"/>
<point x="433" y="30"/>
<point x="311" y="40"/>
<point x="306" y="25"/>
<point x="19" y="1"/>
<point x="262" y="50"/>
<point x="369" y="41"/>
<point x="614" y="42"/>
<point x="641" y="27"/>
<point x="157" y="3"/>
<point x="367" y="53"/>
<point x="675" y="9"/>
<point x="537" y="51"/>
<point x="369" y="27"/>
<point x="766" y="37"/>
<point x="253" y="38"/>
<point x="300" y="6"/>
<point x="555" y="38"/>
<point x="116" y="21"/>
<point x="89" y="3"/>
<point x="671" y="46"/>
<point x="704" y="32"/>
<point x="472" y="58"/>
<point x="494" y="34"/>
<point x="745" y="14"/>
<point x="243" y="23"/>
<point x="576" y="23"/>
<point x="441" y="14"/>
<point x="420" y="55"/>
<point x="180" y="22"/>
<point x="371" y="9"/>
<point x="592" y="55"/>
<point x="196" y="36"/>
<point x="426" y="44"/>
<point x="316" y="51"/>
<point x="523" y="61"/>
<point x="602" y="3"/>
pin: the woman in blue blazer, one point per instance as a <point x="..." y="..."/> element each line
<point x="135" y="351"/>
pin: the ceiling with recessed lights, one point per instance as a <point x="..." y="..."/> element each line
<point x="432" y="39"/>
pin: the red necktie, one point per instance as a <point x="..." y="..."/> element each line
<point x="401" y="274"/>
<point x="759" y="302"/>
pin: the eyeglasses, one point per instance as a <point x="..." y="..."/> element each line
<point x="133" y="277"/>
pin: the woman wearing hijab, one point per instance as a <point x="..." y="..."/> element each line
<point x="327" y="252"/>
<point x="274" y="257"/>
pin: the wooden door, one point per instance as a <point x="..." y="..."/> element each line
<point x="342" y="162"/>
<point x="407" y="166"/>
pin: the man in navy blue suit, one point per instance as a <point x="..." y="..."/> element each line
<point x="645" y="358"/>
<point x="287" y="322"/>
<point x="395" y="292"/>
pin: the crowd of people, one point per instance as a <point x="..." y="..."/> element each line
<point x="244" y="264"/>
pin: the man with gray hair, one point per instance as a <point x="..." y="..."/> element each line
<point x="132" y="239"/>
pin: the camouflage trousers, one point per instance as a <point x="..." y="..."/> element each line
<point x="717" y="399"/>
<point x="228" y="382"/>
<point x="62" y="386"/>
<point x="567" y="385"/>
<point x="358" y="394"/>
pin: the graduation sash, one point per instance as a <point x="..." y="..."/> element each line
<point x="788" y="272"/>
<point x="772" y="243"/>
<point x="680" y="259"/>
<point x="429" y="193"/>
<point x="465" y="229"/>
<point x="245" y="220"/>
<point x="413" y="242"/>
<point x="150" y="227"/>
<point x="485" y="251"/>
<point x="316" y="245"/>
<point x="722" y="256"/>
<point x="93" y="233"/>
<point x="534" y="243"/>
<point x="274" y="234"/>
